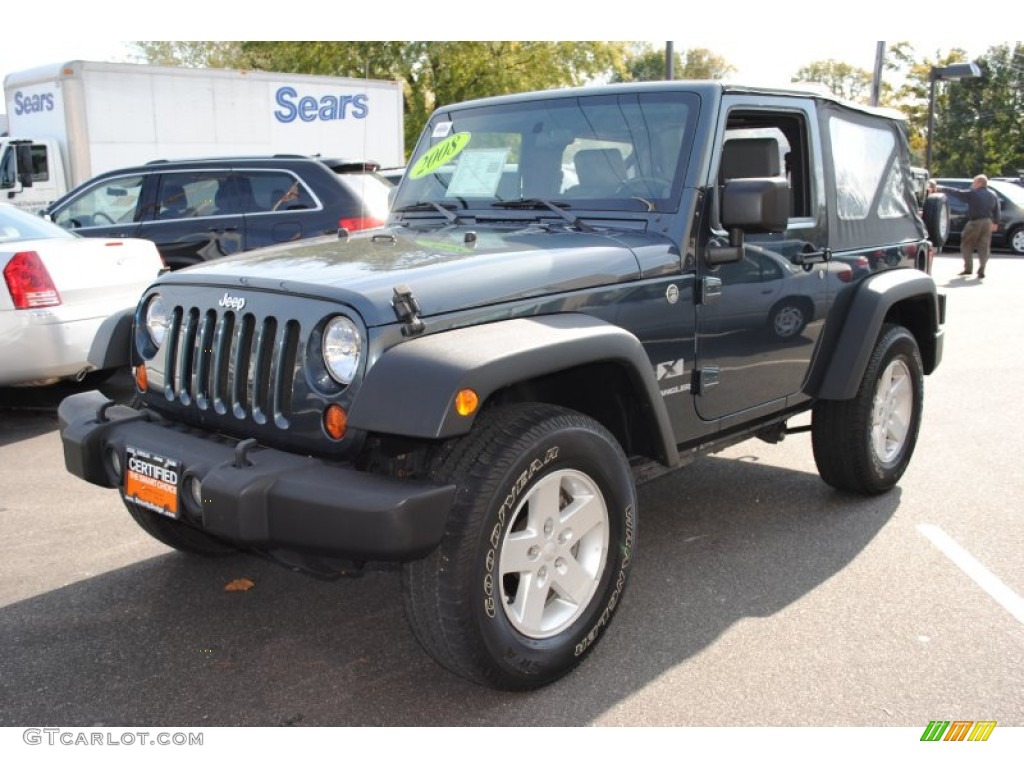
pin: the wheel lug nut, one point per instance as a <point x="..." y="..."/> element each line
<point x="549" y="526"/>
<point x="533" y="552"/>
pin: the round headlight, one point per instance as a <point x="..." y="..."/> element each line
<point x="342" y="347"/>
<point x="156" y="320"/>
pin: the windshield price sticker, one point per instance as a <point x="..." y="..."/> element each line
<point x="440" y="154"/>
<point x="478" y="173"/>
<point x="151" y="481"/>
<point x="441" y="130"/>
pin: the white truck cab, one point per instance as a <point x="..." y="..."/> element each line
<point x="32" y="172"/>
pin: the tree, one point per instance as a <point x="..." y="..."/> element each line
<point x="702" y="64"/>
<point x="844" y="80"/>
<point x="978" y="123"/>
<point x="213" y="54"/>
<point x="645" y="63"/>
<point x="980" y="126"/>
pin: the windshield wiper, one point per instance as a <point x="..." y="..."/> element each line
<point x="426" y="205"/>
<point x="536" y="203"/>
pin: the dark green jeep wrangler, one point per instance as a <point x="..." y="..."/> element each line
<point x="576" y="290"/>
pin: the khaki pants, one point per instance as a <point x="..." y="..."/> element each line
<point x="976" y="236"/>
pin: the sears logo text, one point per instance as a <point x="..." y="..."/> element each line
<point x="310" y="108"/>
<point x="27" y="104"/>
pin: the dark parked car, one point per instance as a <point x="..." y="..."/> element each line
<point x="197" y="210"/>
<point x="1011" y="221"/>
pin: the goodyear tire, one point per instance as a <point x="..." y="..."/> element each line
<point x="936" y="219"/>
<point x="537" y="551"/>
<point x="178" y="535"/>
<point x="864" y="444"/>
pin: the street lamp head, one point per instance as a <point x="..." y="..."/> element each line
<point x="956" y="71"/>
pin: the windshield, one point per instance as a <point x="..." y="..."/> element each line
<point x="613" y="152"/>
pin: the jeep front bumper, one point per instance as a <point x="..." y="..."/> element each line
<point x="256" y="497"/>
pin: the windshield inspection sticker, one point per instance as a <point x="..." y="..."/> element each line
<point x="441" y="130"/>
<point x="440" y="154"/>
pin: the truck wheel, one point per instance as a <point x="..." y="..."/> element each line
<point x="865" y="444"/>
<point x="537" y="549"/>
<point x="936" y="219"/>
<point x="180" y="536"/>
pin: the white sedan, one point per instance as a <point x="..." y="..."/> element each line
<point x="58" y="289"/>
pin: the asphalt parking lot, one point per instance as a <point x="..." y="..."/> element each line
<point x="761" y="597"/>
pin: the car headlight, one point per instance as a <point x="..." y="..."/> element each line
<point x="156" y="320"/>
<point x="342" y="347"/>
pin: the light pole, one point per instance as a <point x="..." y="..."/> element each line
<point x="952" y="72"/>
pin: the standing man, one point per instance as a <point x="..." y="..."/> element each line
<point x="982" y="221"/>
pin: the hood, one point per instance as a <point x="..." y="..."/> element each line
<point x="446" y="269"/>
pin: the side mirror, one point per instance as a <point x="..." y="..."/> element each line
<point x="24" y="158"/>
<point x="750" y="205"/>
<point x="756" y="205"/>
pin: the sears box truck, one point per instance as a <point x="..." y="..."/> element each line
<point x="69" y="122"/>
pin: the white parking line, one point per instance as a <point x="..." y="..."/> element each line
<point x="981" y="575"/>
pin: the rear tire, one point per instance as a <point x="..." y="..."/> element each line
<point x="537" y="549"/>
<point x="864" y="444"/>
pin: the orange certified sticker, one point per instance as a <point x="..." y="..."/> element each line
<point x="151" y="481"/>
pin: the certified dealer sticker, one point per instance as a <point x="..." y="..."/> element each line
<point x="151" y="481"/>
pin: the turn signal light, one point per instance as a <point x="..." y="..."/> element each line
<point x="466" y="402"/>
<point x="141" y="378"/>
<point x="335" y="421"/>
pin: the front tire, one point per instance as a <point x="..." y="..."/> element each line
<point x="537" y="550"/>
<point x="864" y="444"/>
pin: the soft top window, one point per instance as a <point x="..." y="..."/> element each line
<point x="875" y="202"/>
<point x="863" y="158"/>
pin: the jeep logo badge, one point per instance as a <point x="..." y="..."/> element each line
<point x="236" y="303"/>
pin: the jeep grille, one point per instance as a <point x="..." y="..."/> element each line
<point x="231" y="363"/>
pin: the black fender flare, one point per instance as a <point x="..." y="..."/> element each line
<point x="410" y="390"/>
<point x="913" y="294"/>
<point x="112" y="344"/>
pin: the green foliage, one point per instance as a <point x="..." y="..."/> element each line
<point x="645" y="63"/>
<point x="210" y="54"/>
<point x="978" y="122"/>
<point x="844" y="80"/>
